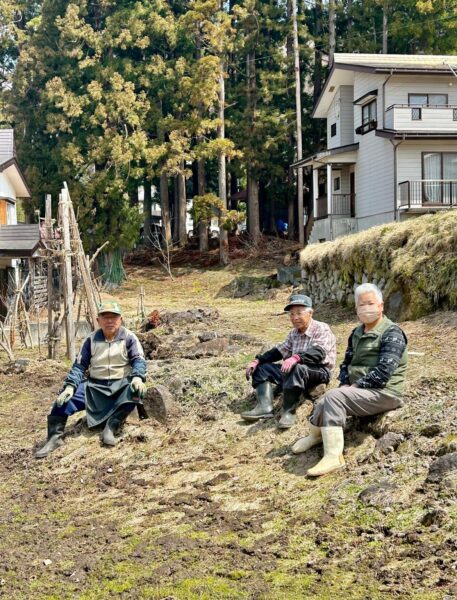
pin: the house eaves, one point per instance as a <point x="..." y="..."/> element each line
<point x="415" y="135"/>
<point x="12" y="170"/>
<point x="324" y="155"/>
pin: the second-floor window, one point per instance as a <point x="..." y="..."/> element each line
<point x="417" y="101"/>
<point x="369" y="118"/>
<point x="369" y="112"/>
<point x="333" y="129"/>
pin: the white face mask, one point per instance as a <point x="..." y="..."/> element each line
<point x="368" y="314"/>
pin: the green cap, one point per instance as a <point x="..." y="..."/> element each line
<point x="109" y="306"/>
<point x="299" y="300"/>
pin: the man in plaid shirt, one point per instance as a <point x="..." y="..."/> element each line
<point x="308" y="355"/>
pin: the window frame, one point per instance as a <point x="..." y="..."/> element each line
<point x="333" y="130"/>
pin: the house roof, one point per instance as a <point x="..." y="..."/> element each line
<point x="345" y="65"/>
<point x="20" y="241"/>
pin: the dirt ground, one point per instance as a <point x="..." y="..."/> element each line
<point x="205" y="506"/>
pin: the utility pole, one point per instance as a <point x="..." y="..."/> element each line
<point x="300" y="223"/>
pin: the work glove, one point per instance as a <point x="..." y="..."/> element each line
<point x="65" y="396"/>
<point x="138" y="387"/>
<point x="252" y="366"/>
<point x="290" y="363"/>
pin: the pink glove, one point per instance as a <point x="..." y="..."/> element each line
<point x="290" y="363"/>
<point x="252" y="366"/>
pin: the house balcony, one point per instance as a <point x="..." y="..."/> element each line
<point x="422" y="119"/>
<point x="342" y="205"/>
<point x="428" y="194"/>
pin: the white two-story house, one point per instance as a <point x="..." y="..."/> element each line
<point x="391" y="142"/>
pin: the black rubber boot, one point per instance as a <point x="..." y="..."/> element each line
<point x="264" y="406"/>
<point x="56" y="427"/>
<point x="113" y="426"/>
<point x="290" y="401"/>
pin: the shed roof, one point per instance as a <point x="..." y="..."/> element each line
<point x="20" y="241"/>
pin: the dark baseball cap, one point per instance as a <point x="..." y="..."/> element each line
<point x="299" y="300"/>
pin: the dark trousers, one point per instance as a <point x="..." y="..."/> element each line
<point x="301" y="376"/>
<point x="77" y="403"/>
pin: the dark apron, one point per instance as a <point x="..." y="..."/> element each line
<point x="104" y="397"/>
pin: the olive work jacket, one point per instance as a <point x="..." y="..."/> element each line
<point x="376" y="359"/>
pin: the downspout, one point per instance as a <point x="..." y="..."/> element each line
<point x="395" y="176"/>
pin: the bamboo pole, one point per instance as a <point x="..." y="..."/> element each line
<point x="49" y="262"/>
<point x="67" y="278"/>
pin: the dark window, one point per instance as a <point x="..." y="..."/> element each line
<point x="369" y="118"/>
<point x="337" y="184"/>
<point x="333" y="130"/>
<point x="369" y="112"/>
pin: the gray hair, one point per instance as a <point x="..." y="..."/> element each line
<point x="367" y="288"/>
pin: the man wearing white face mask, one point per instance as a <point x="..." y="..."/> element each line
<point x="372" y="377"/>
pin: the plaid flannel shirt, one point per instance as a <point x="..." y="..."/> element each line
<point x="317" y="334"/>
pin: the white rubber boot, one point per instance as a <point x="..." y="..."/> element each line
<point x="333" y="438"/>
<point x="305" y="443"/>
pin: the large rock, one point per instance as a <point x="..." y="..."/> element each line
<point x="194" y="315"/>
<point x="213" y="347"/>
<point x="440" y="468"/>
<point x="160" y="405"/>
<point x="150" y="342"/>
<point x="379" y="494"/>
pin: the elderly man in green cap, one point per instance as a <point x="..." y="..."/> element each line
<point x="106" y="380"/>
<point x="308" y="355"/>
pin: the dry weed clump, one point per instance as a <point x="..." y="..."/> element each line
<point x="416" y="258"/>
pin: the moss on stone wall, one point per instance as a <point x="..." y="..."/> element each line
<point x="414" y="263"/>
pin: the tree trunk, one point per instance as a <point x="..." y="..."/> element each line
<point x="202" y="226"/>
<point x="223" y="233"/>
<point x="384" y="27"/>
<point x="182" y="208"/>
<point x="147" y="230"/>
<point x="252" y="180"/>
<point x="300" y="221"/>
<point x="317" y="80"/>
<point x="175" y="217"/>
<point x="165" y="206"/>
<point x="290" y="172"/>
<point x="331" y="31"/>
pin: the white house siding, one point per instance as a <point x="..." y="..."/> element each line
<point x="333" y="116"/>
<point x="374" y="171"/>
<point x="346" y="115"/>
<point x="374" y="181"/>
<point x="341" y="113"/>
<point x="409" y="156"/>
<point x="6" y="187"/>
<point x="399" y="86"/>
<point x="364" y="83"/>
<point x="439" y="119"/>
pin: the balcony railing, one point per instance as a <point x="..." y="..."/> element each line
<point x="427" y="119"/>
<point x="428" y="193"/>
<point x="342" y="206"/>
